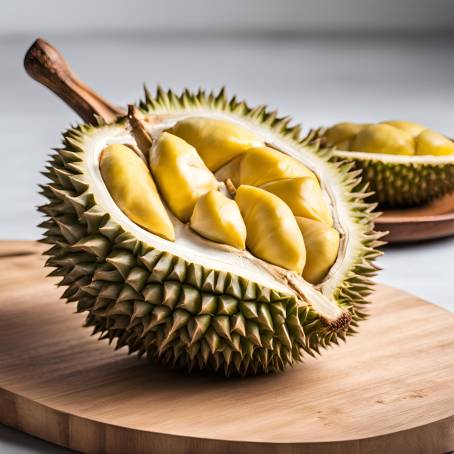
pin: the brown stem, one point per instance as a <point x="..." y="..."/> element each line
<point x="46" y="65"/>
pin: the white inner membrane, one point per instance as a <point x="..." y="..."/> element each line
<point x="194" y="248"/>
<point x="395" y="158"/>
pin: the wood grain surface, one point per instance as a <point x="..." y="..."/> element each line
<point x="426" y="222"/>
<point x="389" y="389"/>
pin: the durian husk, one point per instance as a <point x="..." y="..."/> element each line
<point x="399" y="181"/>
<point x="176" y="311"/>
<point x="406" y="184"/>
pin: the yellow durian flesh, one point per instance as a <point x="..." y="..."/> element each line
<point x="230" y="171"/>
<point x="180" y="174"/>
<point x="261" y="218"/>
<point x="322" y="247"/>
<point x="131" y="186"/>
<point x="381" y="138"/>
<point x="433" y="143"/>
<point x="264" y="164"/>
<point x="272" y="232"/>
<point x="344" y="145"/>
<point x="303" y="196"/>
<point x="340" y="134"/>
<point x="218" y="218"/>
<point x="217" y="141"/>
<point x="409" y="127"/>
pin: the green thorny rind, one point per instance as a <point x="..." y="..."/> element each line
<point x="401" y="184"/>
<point x="178" y="312"/>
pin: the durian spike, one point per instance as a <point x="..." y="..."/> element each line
<point x="47" y="66"/>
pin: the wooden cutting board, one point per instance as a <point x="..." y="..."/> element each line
<point x="389" y="389"/>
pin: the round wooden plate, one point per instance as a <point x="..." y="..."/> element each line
<point x="434" y="220"/>
<point x="389" y="389"/>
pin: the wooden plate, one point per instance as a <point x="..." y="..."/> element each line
<point x="389" y="389"/>
<point x="434" y="220"/>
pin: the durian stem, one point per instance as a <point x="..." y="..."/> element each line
<point x="46" y="65"/>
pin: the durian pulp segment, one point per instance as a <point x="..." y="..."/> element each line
<point x="191" y="246"/>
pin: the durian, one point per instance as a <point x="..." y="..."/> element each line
<point x="405" y="163"/>
<point x="433" y="143"/>
<point x="322" y="246"/>
<point x="195" y="266"/>
<point x="303" y="196"/>
<point x="180" y="173"/>
<point x="216" y="141"/>
<point x="341" y="134"/>
<point x="272" y="232"/>
<point x="376" y="138"/>
<point x="119" y="165"/>
<point x="414" y="129"/>
<point x="218" y="218"/>
<point x="262" y="165"/>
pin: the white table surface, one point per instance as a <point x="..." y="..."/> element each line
<point x="318" y="81"/>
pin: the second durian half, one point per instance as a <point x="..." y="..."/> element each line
<point x="219" y="240"/>
<point x="405" y="163"/>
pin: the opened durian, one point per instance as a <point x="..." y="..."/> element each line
<point x="206" y="234"/>
<point x="405" y="163"/>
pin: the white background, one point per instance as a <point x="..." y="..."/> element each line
<point x="320" y="62"/>
<point x="294" y="16"/>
